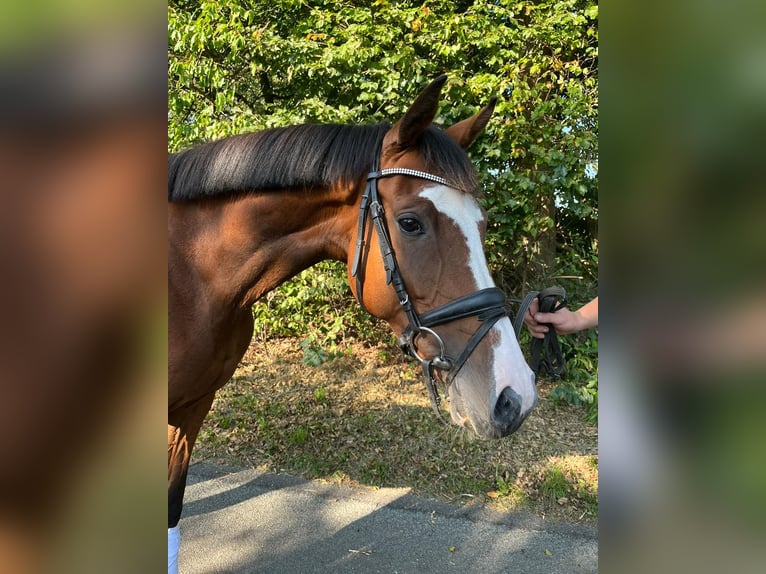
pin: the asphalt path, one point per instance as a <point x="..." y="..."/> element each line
<point x="245" y="521"/>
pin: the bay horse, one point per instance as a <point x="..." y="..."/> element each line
<point x="396" y="203"/>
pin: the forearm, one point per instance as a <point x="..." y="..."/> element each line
<point x="588" y="315"/>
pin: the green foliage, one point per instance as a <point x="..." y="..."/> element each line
<point x="318" y="306"/>
<point x="242" y="65"/>
<point x="579" y="382"/>
<point x="320" y="394"/>
<point x="314" y="355"/>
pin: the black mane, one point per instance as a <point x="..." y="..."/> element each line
<point x="306" y="156"/>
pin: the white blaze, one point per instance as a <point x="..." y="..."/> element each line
<point x="463" y="209"/>
<point x="509" y="366"/>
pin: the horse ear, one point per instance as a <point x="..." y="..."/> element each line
<point x="420" y="115"/>
<point x="466" y="131"/>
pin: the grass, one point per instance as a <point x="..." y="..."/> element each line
<point x="554" y="486"/>
<point x="363" y="418"/>
<point x="299" y="435"/>
<point x="571" y="478"/>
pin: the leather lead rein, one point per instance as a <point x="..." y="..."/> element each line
<point x="546" y="352"/>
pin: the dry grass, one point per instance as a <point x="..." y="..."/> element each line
<point x="364" y="418"/>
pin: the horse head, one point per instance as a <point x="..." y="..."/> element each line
<point x="418" y="263"/>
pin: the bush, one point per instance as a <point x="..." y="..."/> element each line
<point x="317" y="305"/>
<point x="579" y="381"/>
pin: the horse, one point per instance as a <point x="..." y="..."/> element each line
<point x="398" y="204"/>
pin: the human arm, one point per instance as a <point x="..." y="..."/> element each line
<point x="563" y="320"/>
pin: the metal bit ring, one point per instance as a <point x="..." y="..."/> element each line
<point x="441" y="362"/>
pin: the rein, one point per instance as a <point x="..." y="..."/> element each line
<point x="546" y="352"/>
<point x="487" y="305"/>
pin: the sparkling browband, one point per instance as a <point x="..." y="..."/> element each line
<point x="411" y="172"/>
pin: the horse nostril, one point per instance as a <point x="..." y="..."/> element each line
<point x="507" y="408"/>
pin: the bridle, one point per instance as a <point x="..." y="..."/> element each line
<point x="487" y="305"/>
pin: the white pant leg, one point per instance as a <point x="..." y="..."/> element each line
<point x="174" y="541"/>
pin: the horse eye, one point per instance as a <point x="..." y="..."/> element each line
<point x="410" y="226"/>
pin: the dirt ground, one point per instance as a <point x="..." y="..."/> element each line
<point x="363" y="417"/>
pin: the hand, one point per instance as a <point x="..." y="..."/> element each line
<point x="563" y="320"/>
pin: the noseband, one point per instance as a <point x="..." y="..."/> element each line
<point x="487" y="305"/>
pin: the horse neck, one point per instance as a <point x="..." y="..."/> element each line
<point x="242" y="247"/>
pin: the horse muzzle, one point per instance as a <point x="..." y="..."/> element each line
<point x="503" y="419"/>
